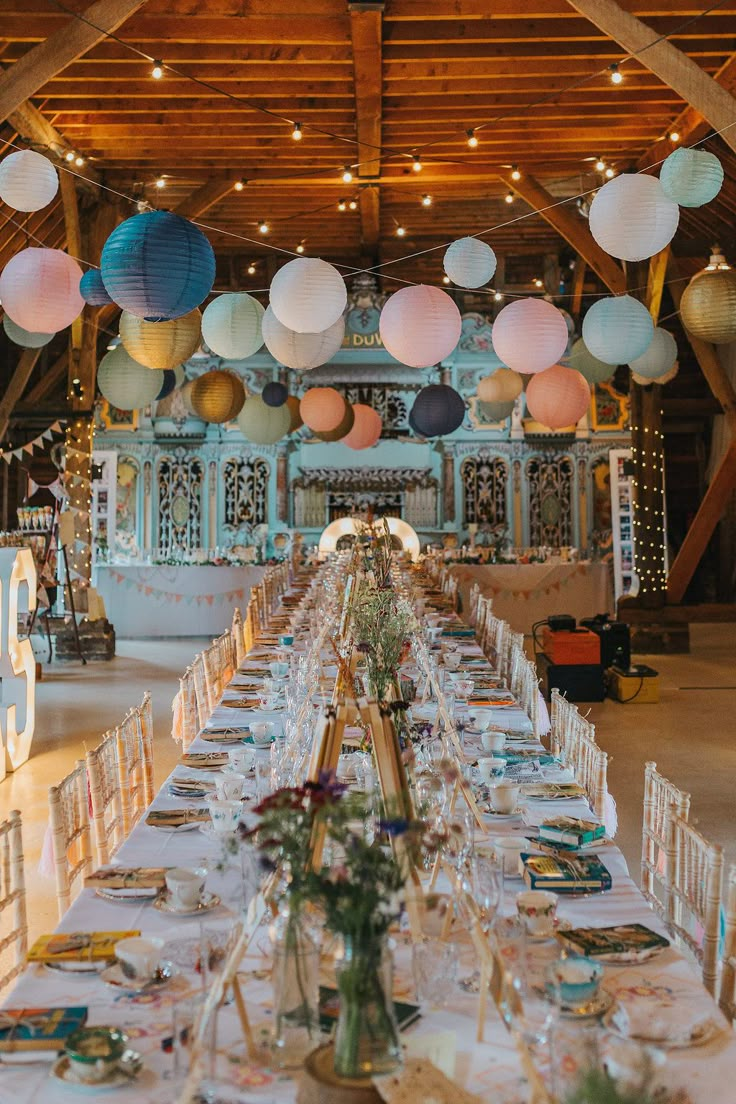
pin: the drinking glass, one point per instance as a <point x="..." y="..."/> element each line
<point x="434" y="965"/>
<point x="185" y="1013"/>
<point x="460" y="837"/>
<point x="486" y="882"/>
<point x="263" y="778"/>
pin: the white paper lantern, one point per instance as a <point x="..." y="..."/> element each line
<point x="301" y="351"/>
<point x="39" y="289"/>
<point x="631" y="217"/>
<point x="691" y="177"/>
<point x="618" y="329"/>
<point x="28" y="181"/>
<point x="530" y="335"/>
<point x="659" y="358"/>
<point x="593" y="369"/>
<point x="25" y="338"/>
<point x="231" y="325"/>
<point x="470" y="262"/>
<point x="420" y="325"/>
<point x="502" y="386"/>
<point x="125" y="383"/>
<point x="308" y="295"/>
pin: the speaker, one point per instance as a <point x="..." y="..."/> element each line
<point x="580" y="682"/>
<point x="615" y="637"/>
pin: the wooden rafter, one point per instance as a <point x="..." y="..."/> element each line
<point x="571" y="227"/>
<point x="366" y="30"/>
<point x="69" y="42"/>
<point x="370" y="218"/>
<point x="16" y="387"/>
<point x="206" y="196"/>
<point x="671" y="65"/>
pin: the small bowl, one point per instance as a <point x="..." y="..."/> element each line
<point x="94" y="1052"/>
<point x="576" y="978"/>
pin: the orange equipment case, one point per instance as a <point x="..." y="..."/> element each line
<point x="573" y="646"/>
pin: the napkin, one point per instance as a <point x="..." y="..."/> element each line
<point x="663" y="1020"/>
<point x="126" y="877"/>
<point x="196" y="785"/>
<point x="205" y="760"/>
<point x="173" y="818"/>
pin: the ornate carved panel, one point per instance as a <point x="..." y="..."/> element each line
<point x="385" y="401"/>
<point x="321" y="495"/>
<point x="484" y="480"/>
<point x="246" y="491"/>
<point x="180" y="485"/>
<point x="551" y="485"/>
<point x="126" y="507"/>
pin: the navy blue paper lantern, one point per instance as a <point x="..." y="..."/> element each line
<point x="437" y="410"/>
<point x="274" y="394"/>
<point x="168" y="385"/>
<point x="158" y="266"/>
<point x="92" y="289"/>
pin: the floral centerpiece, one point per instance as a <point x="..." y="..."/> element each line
<point x="382" y="623"/>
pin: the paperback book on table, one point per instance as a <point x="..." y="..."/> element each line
<point x="636" y="940"/>
<point x="38" y="1028"/>
<point x="77" y="946"/>
<point x="572" y="830"/>
<point x="563" y="874"/>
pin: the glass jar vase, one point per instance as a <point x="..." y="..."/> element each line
<point x="367" y="1035"/>
<point x="295" y="982"/>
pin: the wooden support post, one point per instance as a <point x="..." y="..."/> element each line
<point x="703" y="526"/>
<point x="578" y="286"/>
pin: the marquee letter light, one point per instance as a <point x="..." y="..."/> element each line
<point x="17" y="662"/>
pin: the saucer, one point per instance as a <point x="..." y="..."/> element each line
<point x="128" y="895"/>
<point x="557" y="926"/>
<point x="115" y="977"/>
<point x="598" y="1006"/>
<point x="207" y="828"/>
<point x="78" y="968"/>
<point x="488" y="812"/>
<point x="206" y="903"/>
<point x="128" y="1069"/>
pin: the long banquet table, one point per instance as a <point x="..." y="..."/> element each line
<point x="491" y="1069"/>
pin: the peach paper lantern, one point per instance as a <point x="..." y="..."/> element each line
<point x="366" y="428"/>
<point x="530" y="335"/>
<point x="39" y="289"/>
<point x="322" y="409"/>
<point x="308" y="295"/>
<point x="420" y="326"/>
<point x="558" y="397"/>
<point x="502" y="386"/>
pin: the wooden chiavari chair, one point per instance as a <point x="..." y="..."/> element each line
<point x="13" y="916"/>
<point x="659" y="795"/>
<point x="236" y="632"/>
<point x="473" y="597"/>
<point x="727" y="985"/>
<point x="146" y="714"/>
<point x="513" y="641"/>
<point x="135" y="763"/>
<point x="70" y="833"/>
<point x="693" y="884"/>
<point x="201" y="693"/>
<point x="105" y="796"/>
<point x="185" y="721"/>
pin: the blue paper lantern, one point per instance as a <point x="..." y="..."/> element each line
<point x="92" y="289"/>
<point x="691" y="177"/>
<point x="158" y="266"/>
<point x="437" y="410"/>
<point x="274" y="394"/>
<point x="168" y="385"/>
<point x="617" y="330"/>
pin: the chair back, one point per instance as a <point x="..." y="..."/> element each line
<point x="135" y="762"/>
<point x="185" y="720"/>
<point x="693" y="884"/>
<point x="727" y="987"/>
<point x="238" y="642"/>
<point x="201" y="693"/>
<point x="13" y="915"/>
<point x="105" y="796"/>
<point x="70" y="834"/>
<point x="659" y="795"/>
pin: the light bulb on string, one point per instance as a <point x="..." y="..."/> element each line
<point x="509" y="197"/>
<point x="297" y="133"/>
<point x="69" y="156"/>
<point x="416" y="163"/>
<point x="347" y="175"/>
<point x="600" y="165"/>
<point x="341" y="205"/>
<point x="472" y="138"/>
<point x="263" y="227"/>
<point x="79" y="161"/>
<point x="400" y="231"/>
<point x="538" y="283"/>
<point x="239" y="185"/>
<point x="158" y="70"/>
<point x="515" y="174"/>
<point x="300" y="247"/>
<point x="498" y="297"/>
<point x="616" y="74"/>
<point x="674" y="137"/>
<point x="426" y="201"/>
<point x="445" y="279"/>
<point x="353" y="205"/>
<point x="609" y="173"/>
<point x="160" y="182"/>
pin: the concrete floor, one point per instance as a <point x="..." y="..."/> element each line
<point x="689" y="734"/>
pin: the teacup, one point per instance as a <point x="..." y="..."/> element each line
<point x="537" y="909"/>
<point x="493" y="741"/>
<point x="262" y="733"/>
<point x="229" y="786"/>
<point x="491" y="769"/>
<point x="482" y="719"/>
<point x="241" y="760"/>
<point x="575" y="979"/>
<point x="503" y="796"/>
<point x="184" y="886"/>
<point x="434" y="632"/>
<point x="279" y="669"/>
<point x="268" y="701"/>
<point x="452" y="661"/>
<point x="139" y="957"/>
<point x="463" y="687"/>
<point x="225" y="814"/>
<point x="507" y="853"/>
<point x="286" y="640"/>
<point x="94" y="1053"/>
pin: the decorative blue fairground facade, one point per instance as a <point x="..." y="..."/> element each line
<point x="173" y="487"/>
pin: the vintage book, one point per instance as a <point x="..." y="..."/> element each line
<point x="563" y="829"/>
<point x="126" y="877"/>
<point x="621" y="942"/>
<point x="77" y="946"/>
<point x="38" y="1028"/>
<point x="459" y="633"/>
<point x="329" y="1005"/>
<point x="205" y="760"/>
<point x="563" y="874"/>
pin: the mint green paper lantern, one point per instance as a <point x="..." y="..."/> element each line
<point x="691" y="177"/>
<point x="589" y="366"/>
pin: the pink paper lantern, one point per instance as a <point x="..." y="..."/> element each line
<point x="530" y="335"/>
<point x="322" y="409"/>
<point x="366" y="427"/>
<point x="420" y="326"/>
<point x="39" y="289"/>
<point x="558" y="397"/>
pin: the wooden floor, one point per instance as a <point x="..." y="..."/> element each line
<point x="691" y="735"/>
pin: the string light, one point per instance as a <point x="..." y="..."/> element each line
<point x="263" y="227"/>
<point x="353" y="205"/>
<point x="239" y="185"/>
<point x="342" y="205"/>
<point x="538" y="283"/>
<point x="161" y="182"/>
<point x="300" y="247"/>
<point x="609" y="173"/>
<point x="79" y="161"/>
<point x="509" y="197"/>
<point x="515" y="174"/>
<point x="347" y="176"/>
<point x="600" y="165"/>
<point x="416" y="163"/>
<point x="69" y="156"/>
<point x="445" y="279"/>
<point x="297" y="133"/>
<point x="674" y="136"/>
<point x="616" y="74"/>
<point x="498" y="297"/>
<point x="472" y="138"/>
<point x="251" y="269"/>
<point x="426" y="201"/>
<point x="158" y="70"/>
<point x="400" y="231"/>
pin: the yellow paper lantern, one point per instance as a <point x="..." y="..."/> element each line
<point x="708" y="305"/>
<point x="503" y="385"/>
<point x="161" y="344"/>
<point x="217" y="396"/>
<point x="343" y="429"/>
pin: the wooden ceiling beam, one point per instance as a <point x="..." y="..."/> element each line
<point x="48" y="382"/>
<point x="206" y="196"/>
<point x="16" y="387"/>
<point x="669" y="63"/>
<point x="366" y="30"/>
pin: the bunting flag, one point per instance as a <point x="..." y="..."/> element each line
<point x="28" y="449"/>
<point x="544" y="590"/>
<point x="148" y="591"/>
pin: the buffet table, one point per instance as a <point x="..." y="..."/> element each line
<point x="526" y="593"/>
<point x="147" y="600"/>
